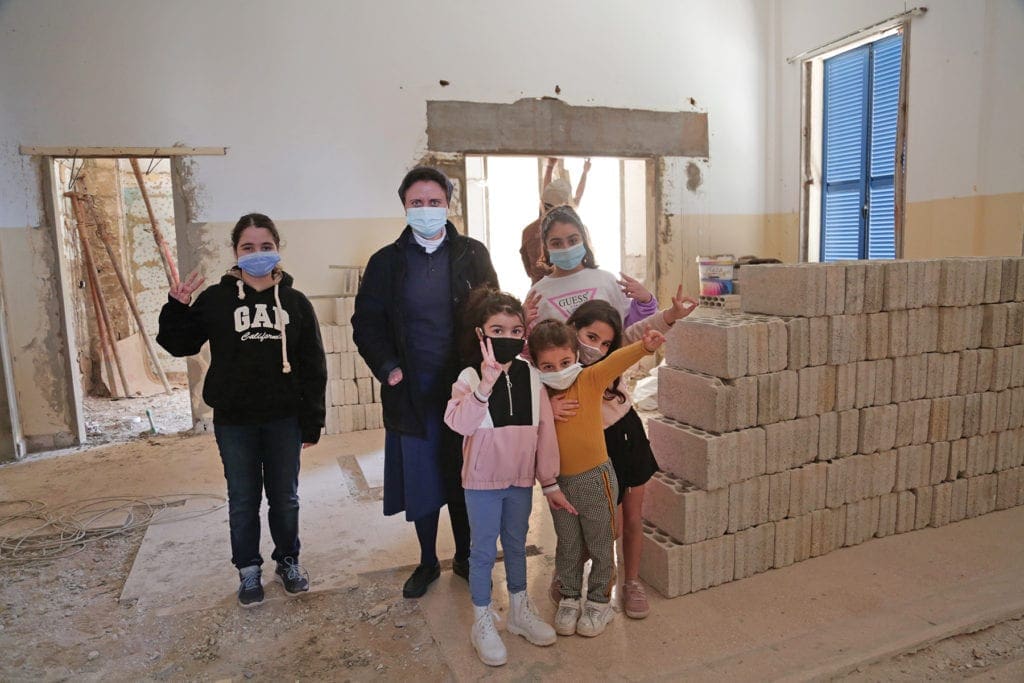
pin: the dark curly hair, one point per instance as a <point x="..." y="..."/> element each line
<point x="482" y="303"/>
<point x="601" y="311"/>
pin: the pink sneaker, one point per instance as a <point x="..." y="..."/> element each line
<point x="634" y="600"/>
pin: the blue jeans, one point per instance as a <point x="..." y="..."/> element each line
<point x="258" y="457"/>
<point x="493" y="513"/>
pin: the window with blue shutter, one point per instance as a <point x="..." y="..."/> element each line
<point x="861" y="111"/>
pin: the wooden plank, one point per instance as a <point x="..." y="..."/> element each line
<point x="145" y="152"/>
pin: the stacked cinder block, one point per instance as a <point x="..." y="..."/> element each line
<point x="353" y="394"/>
<point x="848" y="401"/>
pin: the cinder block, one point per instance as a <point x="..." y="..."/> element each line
<point x="993" y="325"/>
<point x="665" y="563"/>
<point x="344" y="307"/>
<point x="874" y="286"/>
<point x="883" y="381"/>
<point x="788" y="533"/>
<point x="828" y="530"/>
<point x="878" y="336"/>
<point x="910" y="378"/>
<point x="819" y="339"/>
<point x="710" y="345"/>
<point x="942" y="504"/>
<point x="806" y="434"/>
<point x="977" y="275"/>
<point x="327" y="338"/>
<point x="365" y="389"/>
<point x="855" y="273"/>
<point x="895" y="295"/>
<point x="713" y="562"/>
<point x="1019" y="295"/>
<point x="709" y="461"/>
<point x="923" y="513"/>
<point x="981" y="495"/>
<point x="798" y="343"/>
<point x="1014" y="323"/>
<point x="906" y="511"/>
<point x="717" y="512"/>
<point x="780" y="438"/>
<point x="1017" y="369"/>
<point x="748" y="503"/>
<point x="374" y="416"/>
<point x="967" y="373"/>
<point x="349" y="421"/>
<point x="981" y="457"/>
<point x="835" y="288"/>
<point x="847" y="341"/>
<point x="953" y="282"/>
<point x="754" y="551"/>
<point x="923" y="330"/>
<point x="846" y="386"/>
<point x="376" y="391"/>
<point x="989" y="405"/>
<point x="351" y="391"/>
<point x="860" y="477"/>
<point x="883" y="473"/>
<point x="1007" y="488"/>
<point x="993" y="280"/>
<point x="1002" y="368"/>
<point x="865" y="384"/>
<point x="913" y="466"/>
<point x="972" y="415"/>
<point x="797" y="289"/>
<point x="861" y="521"/>
<point x="703" y="401"/>
<point x="950" y="373"/>
<point x="1009" y="450"/>
<point x="1008" y="279"/>
<point x="849" y="432"/>
<point x="957" y="460"/>
<point x="1016" y="408"/>
<point x="828" y="436"/>
<point x="958" y="507"/>
<point x="777" y="395"/>
<point x="939" y="427"/>
<point x="973" y="318"/>
<point x="779" y="491"/>
<point x="778" y="345"/>
<point x="816" y="390"/>
<point x="757" y="347"/>
<point x="887" y="505"/>
<point x="807" y="489"/>
<point x="878" y="428"/>
<point x="940" y="462"/>
<point x="751" y="461"/>
<point x="952" y="329"/>
<point x="986" y="364"/>
<point x="1002" y="419"/>
<point x="899" y="334"/>
<point x="676" y="506"/>
<point x="837" y="482"/>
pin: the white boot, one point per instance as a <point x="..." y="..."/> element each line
<point x="523" y="621"/>
<point x="485" y="638"/>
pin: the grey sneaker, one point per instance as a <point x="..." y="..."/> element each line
<point x="250" y="590"/>
<point x="291" y="574"/>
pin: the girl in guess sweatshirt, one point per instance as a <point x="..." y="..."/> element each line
<point x="266" y="386"/>
<point x="504" y="415"/>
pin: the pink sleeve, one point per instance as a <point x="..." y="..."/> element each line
<point x="547" y="443"/>
<point x="635" y="332"/>
<point x="465" y="412"/>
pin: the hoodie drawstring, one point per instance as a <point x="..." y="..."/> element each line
<point x="286" y="367"/>
<point x="241" y="290"/>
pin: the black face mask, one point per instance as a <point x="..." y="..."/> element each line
<point x="506" y="348"/>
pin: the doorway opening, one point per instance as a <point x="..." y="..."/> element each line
<point x="118" y="254"/>
<point x="503" y="197"/>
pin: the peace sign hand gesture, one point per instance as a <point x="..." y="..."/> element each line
<point x="182" y="291"/>
<point x="490" y="369"/>
<point x="634" y="289"/>
<point x="682" y="306"/>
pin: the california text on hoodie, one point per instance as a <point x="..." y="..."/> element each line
<point x="254" y="377"/>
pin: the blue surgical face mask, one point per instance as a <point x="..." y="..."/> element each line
<point x="259" y="263"/>
<point x="567" y="259"/>
<point x="427" y="221"/>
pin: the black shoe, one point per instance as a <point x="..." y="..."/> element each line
<point x="291" y="574"/>
<point x="416" y="585"/>
<point x="460" y="568"/>
<point x="250" y="591"/>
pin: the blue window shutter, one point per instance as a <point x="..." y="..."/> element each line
<point x="861" y="112"/>
<point x="845" y="141"/>
<point x="885" y="97"/>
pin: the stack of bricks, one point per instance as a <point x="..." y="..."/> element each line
<point x="353" y="394"/>
<point x="848" y="401"/>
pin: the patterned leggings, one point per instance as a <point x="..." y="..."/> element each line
<point x="594" y="494"/>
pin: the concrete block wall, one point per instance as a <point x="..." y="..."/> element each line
<point x="353" y="393"/>
<point x="847" y="401"/>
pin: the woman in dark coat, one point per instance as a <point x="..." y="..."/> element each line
<point x="405" y="327"/>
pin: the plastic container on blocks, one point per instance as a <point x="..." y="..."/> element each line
<point x="716" y="274"/>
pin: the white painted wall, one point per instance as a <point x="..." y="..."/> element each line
<point x="965" y="97"/>
<point x="322" y="103"/>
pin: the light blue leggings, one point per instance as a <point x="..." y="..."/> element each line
<point x="494" y="513"/>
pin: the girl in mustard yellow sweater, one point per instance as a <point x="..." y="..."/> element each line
<point x="586" y="475"/>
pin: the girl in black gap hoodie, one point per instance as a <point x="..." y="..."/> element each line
<point x="266" y="386"/>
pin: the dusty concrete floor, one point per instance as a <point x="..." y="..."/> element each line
<point x="158" y="603"/>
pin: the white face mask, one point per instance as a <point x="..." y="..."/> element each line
<point x="590" y="354"/>
<point x="562" y="379"/>
<point x="427" y="221"/>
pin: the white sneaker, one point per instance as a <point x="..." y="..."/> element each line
<point x="523" y="621"/>
<point x="595" y="616"/>
<point x="567" y="615"/>
<point x="485" y="638"/>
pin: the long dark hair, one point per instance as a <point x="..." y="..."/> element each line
<point x="601" y="311"/>
<point x="566" y="214"/>
<point x="482" y="303"/>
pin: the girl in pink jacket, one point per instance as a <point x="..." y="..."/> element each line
<point x="504" y="415"/>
